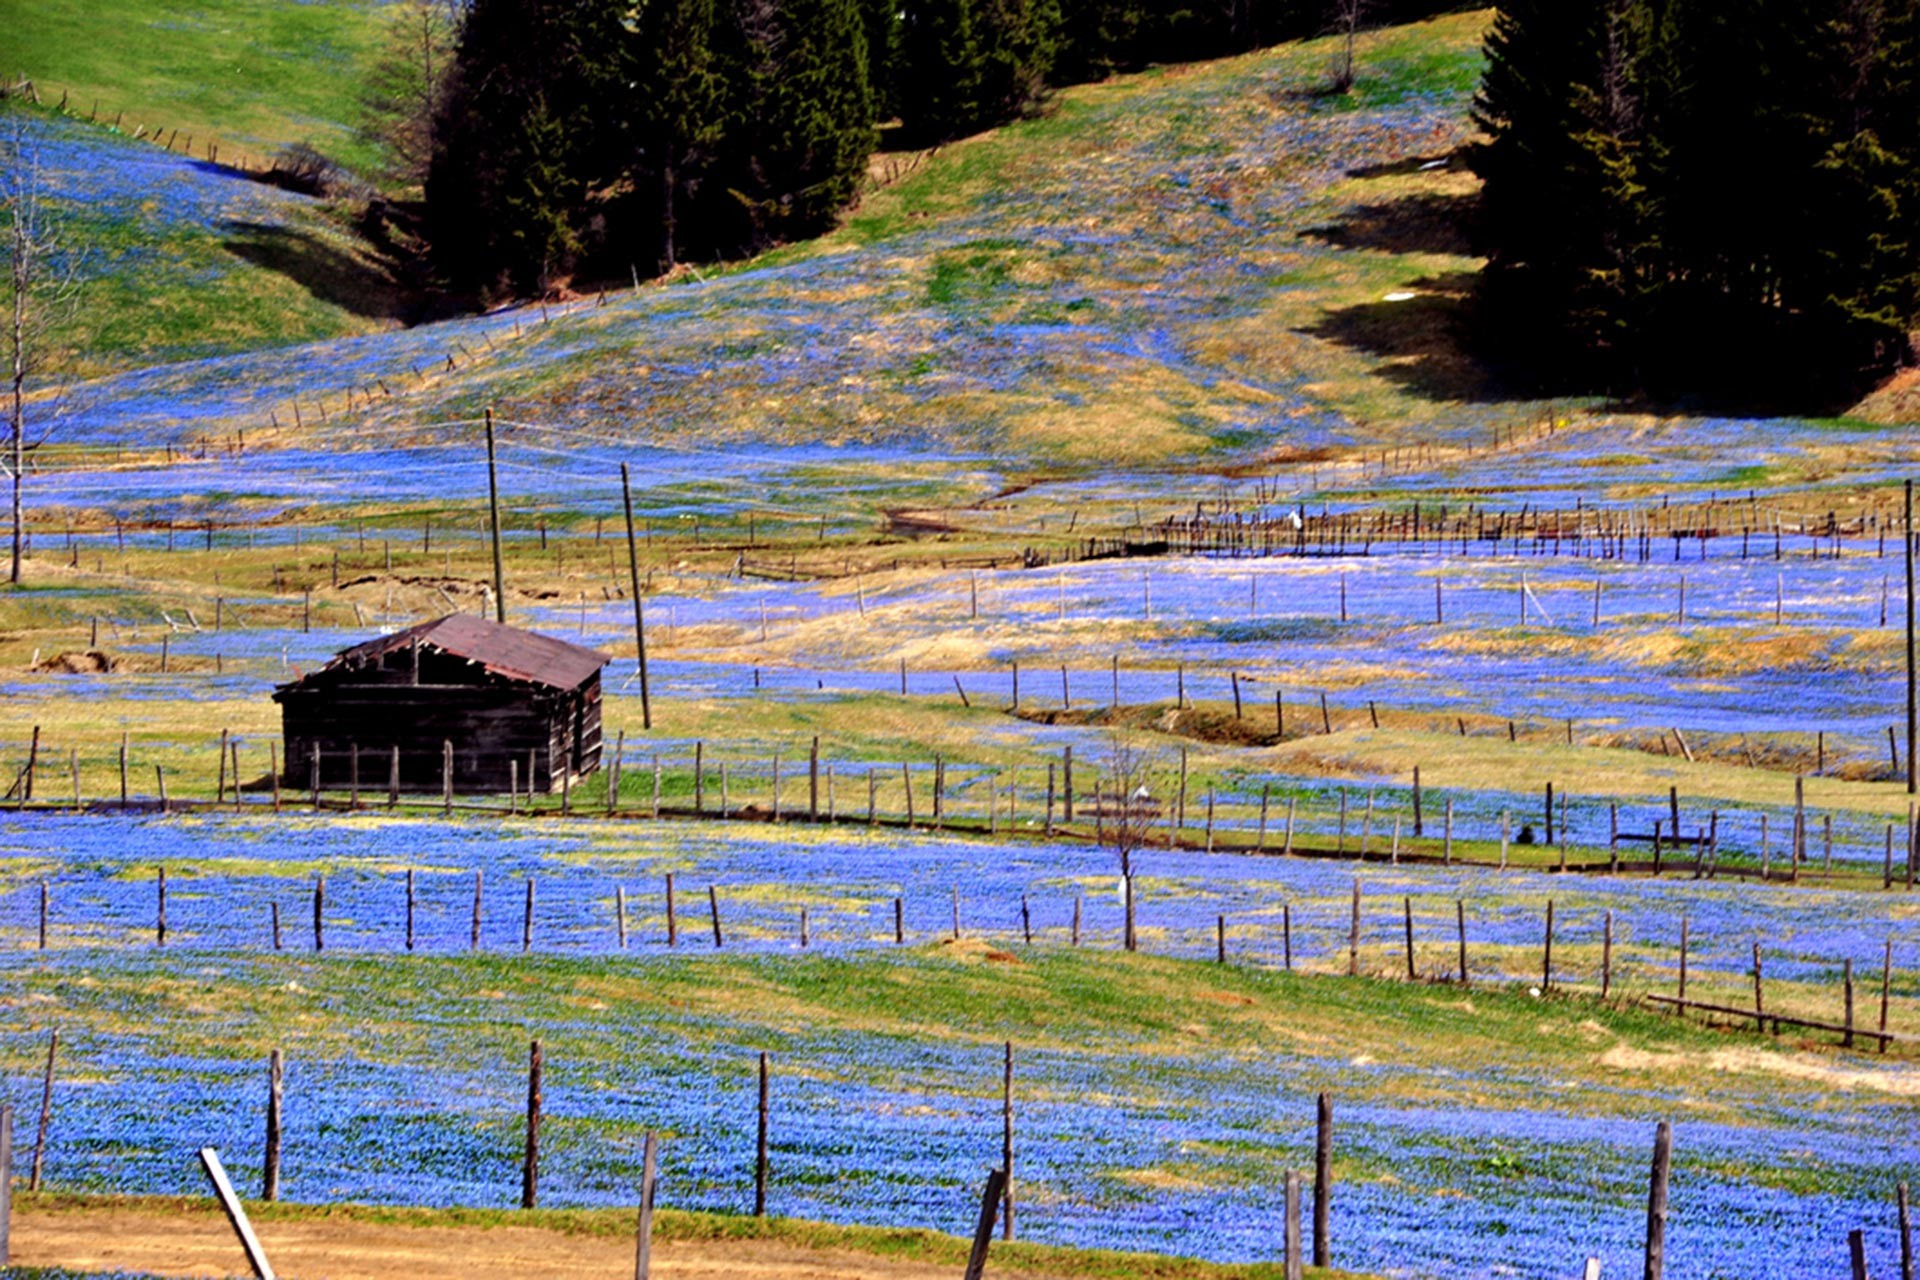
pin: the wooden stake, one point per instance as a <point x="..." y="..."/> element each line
<point x="639" y="612"/>
<point x="526" y="920"/>
<point x="46" y="1115"/>
<point x="1657" y="1202"/>
<point x="236" y="1215"/>
<point x="1460" y="924"/>
<point x="643" y="1233"/>
<point x="270" y="1166"/>
<point x="1406" y="905"/>
<point x="760" y="1146"/>
<point x="1606" y="958"/>
<point x="319" y="907"/>
<point x="530" y="1163"/>
<point x="983" y="1230"/>
<point x="1323" y="1183"/>
<point x="1353" y="943"/>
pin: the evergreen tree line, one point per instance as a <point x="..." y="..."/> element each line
<point x="607" y="136"/>
<point x="1712" y="197"/>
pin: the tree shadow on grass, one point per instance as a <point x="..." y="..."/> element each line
<point x="1435" y="343"/>
<point x="1423" y="343"/>
<point x="328" y="273"/>
<point x="1428" y="223"/>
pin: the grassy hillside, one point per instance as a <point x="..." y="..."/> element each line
<point x="1169" y="267"/>
<point x="252" y="74"/>
<point x="161" y="258"/>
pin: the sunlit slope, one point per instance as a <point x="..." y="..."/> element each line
<point x="157" y="258"/>
<point x="253" y="75"/>
<point x="1135" y="279"/>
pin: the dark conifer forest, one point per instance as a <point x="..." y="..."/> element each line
<point x="1702" y="197"/>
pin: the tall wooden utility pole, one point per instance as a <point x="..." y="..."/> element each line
<point x="639" y="616"/>
<point x="493" y="505"/>
<point x="1913" y="712"/>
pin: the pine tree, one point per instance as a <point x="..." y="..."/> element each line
<point x="939" y="69"/>
<point x="678" y="116"/>
<point x="1017" y="42"/>
<point x="799" y="121"/>
<point x="882" y="22"/>
<point x="401" y="102"/>
<point x="533" y="119"/>
<point x="1560" y="213"/>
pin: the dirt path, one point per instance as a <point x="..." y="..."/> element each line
<point x="119" y="1239"/>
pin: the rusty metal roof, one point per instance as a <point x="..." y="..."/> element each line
<point x="504" y="651"/>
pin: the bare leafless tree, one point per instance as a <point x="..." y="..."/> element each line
<point x="1128" y="810"/>
<point x="402" y="100"/>
<point x="1348" y="15"/>
<point x="38" y="285"/>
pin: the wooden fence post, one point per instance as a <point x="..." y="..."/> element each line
<point x="620" y="914"/>
<point x="760" y="1144"/>
<point x="983" y="1230"/>
<point x="1295" y="1265"/>
<point x="1546" y="954"/>
<point x="1419" y="827"/>
<point x="1857" y="1253"/>
<point x="713" y="905"/>
<point x="1907" y="1234"/>
<point x="526" y="921"/>
<point x="160" y="910"/>
<point x="1460" y="924"/>
<point x="319" y="906"/>
<point x="1657" y="1202"/>
<point x="270" y="1166"/>
<point x="1406" y="906"/>
<point x="673" y="921"/>
<point x="236" y="1215"/>
<point x="46" y="1115"/>
<point x="1323" y="1183"/>
<point x="1606" y="957"/>
<point x="643" y="1233"/>
<point x="409" y="908"/>
<point x="473" y="938"/>
<point x="1353" y="946"/>
<point x="530" y="1164"/>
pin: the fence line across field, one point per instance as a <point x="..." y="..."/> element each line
<point x="997" y="1201"/>
<point x="1230" y="938"/>
<point x="807" y="787"/>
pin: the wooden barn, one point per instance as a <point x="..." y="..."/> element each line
<point x="518" y="708"/>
